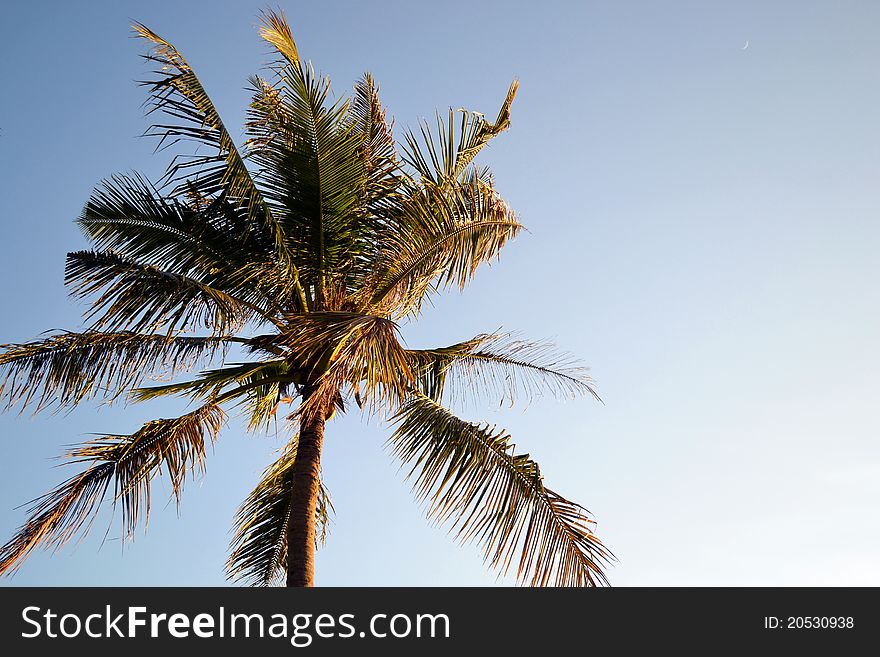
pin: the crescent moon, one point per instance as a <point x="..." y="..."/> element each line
<point x="745" y="46"/>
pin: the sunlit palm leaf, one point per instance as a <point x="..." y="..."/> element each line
<point x="176" y="446"/>
<point x="443" y="157"/>
<point x="312" y="171"/>
<point x="66" y="368"/>
<point x="131" y="295"/>
<point x="378" y="146"/>
<point x="502" y="366"/>
<point x="472" y="478"/>
<point x="275" y="30"/>
<point x="381" y="193"/>
<point x="447" y="235"/>
<point x="178" y="93"/>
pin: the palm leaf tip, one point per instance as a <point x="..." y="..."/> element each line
<point x="443" y="157"/>
<point x="472" y="478"/>
<point x="275" y="30"/>
<point x="142" y="31"/>
<point x="176" y="446"/>
<point x="505" y="366"/>
<point x="58" y="516"/>
<point x="502" y="122"/>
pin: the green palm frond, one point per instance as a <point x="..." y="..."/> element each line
<point x="343" y="151"/>
<point x="228" y="382"/>
<point x="178" y="93"/>
<point x="258" y="551"/>
<point x="127" y="215"/>
<point x="176" y="446"/>
<point x="312" y="172"/>
<point x="134" y="296"/>
<point x="206" y="239"/>
<point x="446" y="235"/>
<point x="379" y="149"/>
<point x="263" y="391"/>
<point x="501" y="365"/>
<point x="67" y="368"/>
<point x="443" y="157"/>
<point x="379" y="206"/>
<point x="472" y="478"/>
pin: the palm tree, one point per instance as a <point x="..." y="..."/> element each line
<point x="298" y="254"/>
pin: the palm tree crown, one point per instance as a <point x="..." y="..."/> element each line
<point x="301" y="251"/>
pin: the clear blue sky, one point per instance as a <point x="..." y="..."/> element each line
<point x="704" y="234"/>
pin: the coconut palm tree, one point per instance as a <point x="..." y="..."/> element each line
<point x="298" y="254"/>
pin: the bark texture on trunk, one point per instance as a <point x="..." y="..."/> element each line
<point x="304" y="500"/>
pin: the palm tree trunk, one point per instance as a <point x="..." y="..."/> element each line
<point x="304" y="500"/>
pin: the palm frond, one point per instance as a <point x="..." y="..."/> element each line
<point x="139" y="297"/>
<point x="264" y="390"/>
<point x="500" y="365"/>
<point x="471" y="477"/>
<point x="176" y="446"/>
<point x="379" y="205"/>
<point x="444" y="157"/>
<point x="367" y="117"/>
<point x="228" y="382"/>
<point x="128" y="215"/>
<point x="204" y="239"/>
<point x="258" y="551"/>
<point x="312" y="171"/>
<point x="275" y="30"/>
<point x="177" y="92"/>
<point x="446" y="235"/>
<point x="343" y="151"/>
<point x="67" y="368"/>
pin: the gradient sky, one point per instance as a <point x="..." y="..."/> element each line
<point x="703" y="233"/>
